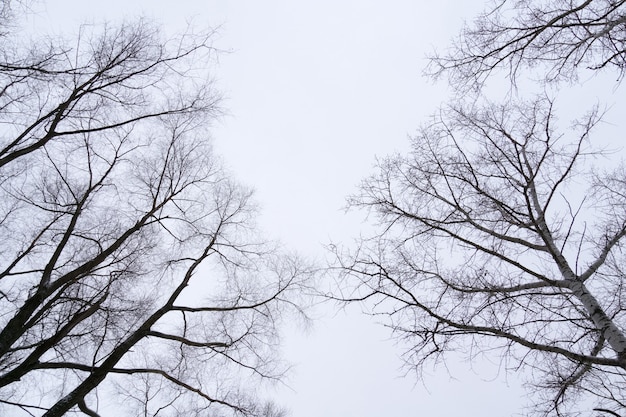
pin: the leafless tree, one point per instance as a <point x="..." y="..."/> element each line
<point x="560" y="36"/>
<point x="132" y="281"/>
<point x="497" y="236"/>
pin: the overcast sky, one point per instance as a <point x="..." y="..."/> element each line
<point x="315" y="90"/>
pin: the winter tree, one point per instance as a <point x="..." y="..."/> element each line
<point x="132" y="281"/>
<point x="557" y="38"/>
<point x="488" y="245"/>
<point x="502" y="232"/>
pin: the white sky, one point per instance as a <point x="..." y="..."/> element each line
<point x="315" y="91"/>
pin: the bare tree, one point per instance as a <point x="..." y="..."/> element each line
<point x="498" y="237"/>
<point x="131" y="279"/>
<point x="560" y="36"/>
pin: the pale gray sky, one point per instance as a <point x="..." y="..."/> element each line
<point x="315" y="91"/>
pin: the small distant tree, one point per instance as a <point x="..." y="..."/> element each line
<point x="498" y="237"/>
<point x="131" y="278"/>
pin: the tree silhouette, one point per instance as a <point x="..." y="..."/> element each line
<point x="129" y="262"/>
<point x="498" y="236"/>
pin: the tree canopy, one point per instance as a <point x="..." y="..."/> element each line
<point x="131" y="275"/>
<point x="558" y="38"/>
<point x="502" y="232"/>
